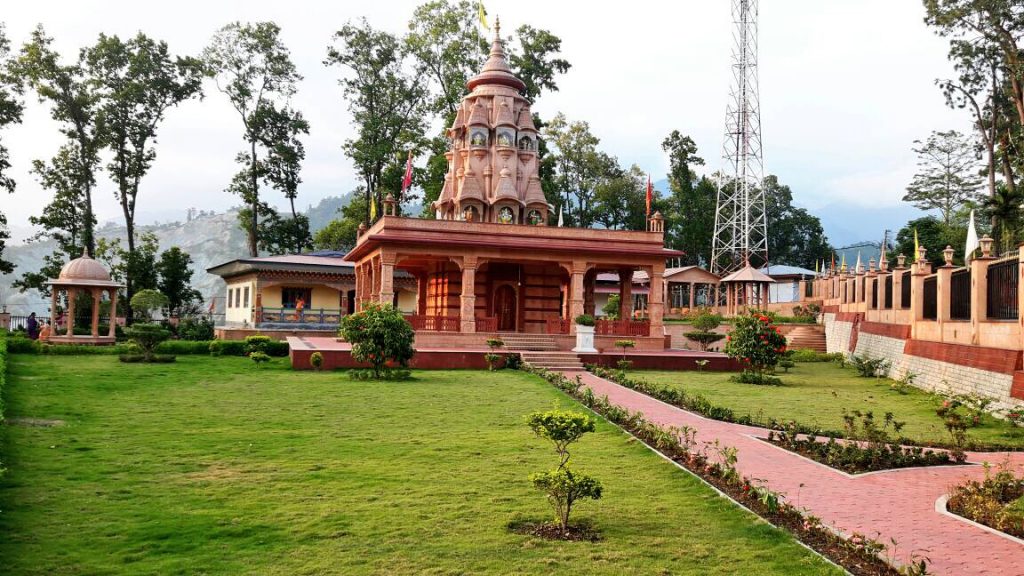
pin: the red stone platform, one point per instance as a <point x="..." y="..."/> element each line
<point x="337" y="354"/>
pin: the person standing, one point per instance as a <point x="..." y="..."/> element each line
<point x="32" y="326"/>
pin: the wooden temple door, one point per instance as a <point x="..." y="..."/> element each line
<point x="505" y="308"/>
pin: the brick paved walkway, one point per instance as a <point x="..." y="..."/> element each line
<point x="896" y="504"/>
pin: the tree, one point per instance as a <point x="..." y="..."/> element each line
<point x="73" y="99"/>
<point x="10" y="113"/>
<point x="580" y="167"/>
<point x="253" y="68"/>
<point x="175" y="269"/>
<point x="1005" y="208"/>
<point x="62" y="219"/>
<point x="445" y="41"/>
<point x="280" y="130"/>
<point x="386" y="99"/>
<point x="533" y="61"/>
<point x="690" y="207"/>
<point x="137" y="82"/>
<point x="947" y="176"/>
<point x="379" y="334"/>
<point x="795" y="237"/>
<point x="146" y="302"/>
<point x="933" y="235"/>
<point x="340" y="234"/>
<point x="620" y="200"/>
<point x="563" y="486"/>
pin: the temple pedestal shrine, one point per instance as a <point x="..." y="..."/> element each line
<point x="490" y="262"/>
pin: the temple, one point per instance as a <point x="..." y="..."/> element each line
<point x="490" y="262"/>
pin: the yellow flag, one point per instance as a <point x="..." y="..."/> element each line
<point x="373" y="209"/>
<point x="917" y="247"/>
<point x="483" y="15"/>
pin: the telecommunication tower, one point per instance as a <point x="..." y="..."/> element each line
<point x="741" y="227"/>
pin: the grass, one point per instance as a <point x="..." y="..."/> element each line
<point x="210" y="466"/>
<point x="816" y="393"/>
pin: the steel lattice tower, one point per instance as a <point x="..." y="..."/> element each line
<point x="741" y="228"/>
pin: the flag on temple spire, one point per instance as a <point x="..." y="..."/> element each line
<point x="842" y="265"/>
<point x="407" y="180"/>
<point x="815" y="266"/>
<point x="856" y="267"/>
<point x="482" y="14"/>
<point x="972" y="239"/>
<point x="560" y="221"/>
<point x="833" y="261"/>
<point x="650" y="194"/>
<point x="917" y="247"/>
<point x="373" y="208"/>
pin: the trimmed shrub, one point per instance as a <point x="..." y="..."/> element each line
<point x="563" y="486"/>
<point x="704" y="339"/>
<point x="585" y="320"/>
<point x="379" y="335"/>
<point x="184" y="347"/>
<point x="22" y="345"/>
<point x="147" y="336"/>
<point x="316" y="360"/>
<point x="259" y="358"/>
<point x="257" y="343"/>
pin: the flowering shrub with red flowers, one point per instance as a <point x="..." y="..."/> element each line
<point x="756" y="342"/>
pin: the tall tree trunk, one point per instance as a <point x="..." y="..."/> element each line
<point x="254" y="219"/>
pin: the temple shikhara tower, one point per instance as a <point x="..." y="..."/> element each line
<point x="490" y="261"/>
<point x="492" y="159"/>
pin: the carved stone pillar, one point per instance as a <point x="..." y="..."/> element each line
<point x="576" y="294"/>
<point x="626" y="293"/>
<point x="113" y="313"/>
<point x="95" y="313"/>
<point x="468" y="298"/>
<point x="656" y="304"/>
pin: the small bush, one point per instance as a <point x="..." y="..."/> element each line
<point x="388" y="374"/>
<point x="257" y="343"/>
<point x="808" y="355"/>
<point x="704" y="339"/>
<point x="22" y="345"/>
<point x="196" y="329"/>
<point x="379" y="334"/>
<point x="786" y="364"/>
<point x="492" y="360"/>
<point x="564" y="488"/>
<point x="147" y="336"/>
<point x="585" y="320"/>
<point x="994" y="501"/>
<point x="758" y="378"/>
<point x="513" y="361"/>
<point x="706" y="321"/>
<point x="259" y="358"/>
<point x="316" y="360"/>
<point x="495" y="343"/>
<point x="756" y="342"/>
<point x="868" y="367"/>
<point x="183" y="347"/>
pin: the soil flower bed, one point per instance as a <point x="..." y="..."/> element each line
<point x="997" y="501"/>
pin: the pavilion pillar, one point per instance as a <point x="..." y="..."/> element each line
<point x="53" y="309"/>
<point x="656" y="304"/>
<point x="387" y="278"/>
<point x="95" y="313"/>
<point x="72" y="293"/>
<point x="626" y="293"/>
<point x="692" y="299"/>
<point x="113" y="313"/>
<point x="421" y="293"/>
<point x="576" y="294"/>
<point x="468" y="297"/>
<point x="589" y="281"/>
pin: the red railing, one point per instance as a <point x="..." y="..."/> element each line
<point x="622" y="328"/>
<point x="435" y="323"/>
<point x="557" y="326"/>
<point x="487" y="324"/>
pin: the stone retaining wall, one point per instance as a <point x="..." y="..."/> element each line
<point x="938" y="367"/>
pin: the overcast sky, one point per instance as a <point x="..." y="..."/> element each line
<point x="846" y="87"/>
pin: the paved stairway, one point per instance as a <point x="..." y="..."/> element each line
<point x="899" y="504"/>
<point x="561" y="361"/>
<point x="532" y="342"/>
<point x="812" y="337"/>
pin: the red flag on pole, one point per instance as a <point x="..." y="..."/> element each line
<point x="650" y="194"/>
<point x="408" y="174"/>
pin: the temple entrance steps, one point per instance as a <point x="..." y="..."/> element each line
<point x="560" y="361"/>
<point x="812" y="337"/>
<point x="532" y="342"/>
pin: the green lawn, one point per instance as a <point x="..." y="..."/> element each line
<point x="816" y="393"/>
<point x="210" y="466"/>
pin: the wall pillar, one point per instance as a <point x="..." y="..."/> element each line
<point x="589" y="281"/>
<point x="626" y="293"/>
<point x="467" y="301"/>
<point x="944" y="276"/>
<point x="979" y="295"/>
<point x="53" y="309"/>
<point x="421" y="293"/>
<point x="387" y="278"/>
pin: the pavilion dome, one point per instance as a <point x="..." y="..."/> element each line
<point x="84" y="268"/>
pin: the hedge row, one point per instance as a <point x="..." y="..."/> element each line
<point x="22" y="345"/>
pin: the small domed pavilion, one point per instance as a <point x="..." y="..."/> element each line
<point x="83" y="276"/>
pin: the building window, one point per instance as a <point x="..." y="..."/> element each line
<point x="245" y="298"/>
<point x="228" y="304"/>
<point x="291" y="296"/>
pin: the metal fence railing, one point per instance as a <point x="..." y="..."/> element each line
<point x="930" y="308"/>
<point x="1002" y="278"/>
<point x="960" y="294"/>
